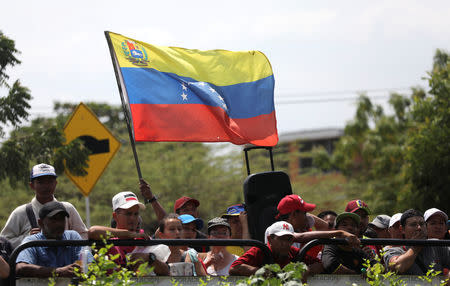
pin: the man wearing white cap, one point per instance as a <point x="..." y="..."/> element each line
<point x="416" y="260"/>
<point x="126" y="208"/>
<point x="436" y="223"/>
<point x="280" y="236"/>
<point x="394" y="226"/>
<point x="380" y="225"/>
<point x="22" y="222"/>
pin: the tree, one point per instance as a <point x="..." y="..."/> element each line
<point x="41" y="142"/>
<point x="428" y="145"/>
<point x="400" y="160"/>
<point x="13" y="107"/>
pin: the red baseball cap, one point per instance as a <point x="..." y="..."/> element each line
<point x="182" y="201"/>
<point x="292" y="203"/>
<point x="355" y="205"/>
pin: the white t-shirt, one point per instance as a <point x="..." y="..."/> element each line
<point x="18" y="225"/>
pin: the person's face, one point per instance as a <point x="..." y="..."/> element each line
<point x="127" y="218"/>
<point x="188" y="208"/>
<point x="219" y="232"/>
<point x="172" y="229"/>
<point x="415" y="228"/>
<point x="330" y="219"/>
<point x="395" y="231"/>
<point x="53" y="227"/>
<point x="298" y="220"/>
<point x="364" y="220"/>
<point x="381" y="232"/>
<point x="44" y="186"/>
<point x="436" y="226"/>
<point x="189" y="231"/>
<point x="236" y="227"/>
<point x="281" y="245"/>
<point x="349" y="225"/>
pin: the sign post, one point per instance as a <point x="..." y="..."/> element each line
<point x="83" y="124"/>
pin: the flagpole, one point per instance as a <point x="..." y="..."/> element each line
<point x="119" y="80"/>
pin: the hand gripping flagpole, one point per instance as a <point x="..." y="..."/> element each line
<point x="126" y="113"/>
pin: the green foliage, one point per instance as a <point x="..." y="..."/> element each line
<point x="103" y="270"/>
<point x="272" y="274"/>
<point x="13" y="107"/>
<point x="428" y="146"/>
<point x="8" y="53"/>
<point x="400" y="160"/>
<point x="376" y="274"/>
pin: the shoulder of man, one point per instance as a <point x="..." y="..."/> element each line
<point x="68" y="205"/>
<point x="72" y="235"/>
<point x="19" y="211"/>
<point x="33" y="237"/>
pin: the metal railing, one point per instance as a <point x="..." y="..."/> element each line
<point x="371" y="241"/>
<point x="126" y="242"/>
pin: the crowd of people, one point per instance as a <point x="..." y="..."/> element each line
<point x="46" y="218"/>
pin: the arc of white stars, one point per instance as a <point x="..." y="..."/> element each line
<point x="221" y="98"/>
<point x="224" y="106"/>
<point x="184" y="96"/>
<point x="183" y="86"/>
<point x="212" y="90"/>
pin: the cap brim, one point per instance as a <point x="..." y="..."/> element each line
<point x="437" y="212"/>
<point x="308" y="207"/>
<point x="198" y="222"/>
<point x="351" y="215"/>
<point x="363" y="208"/>
<point x="55" y="212"/>
<point x="283" y="233"/>
<point x="196" y="203"/>
<point x="379" y="225"/>
<point x="45" y="174"/>
<point x="228" y="215"/>
<point x="218" y="224"/>
<point x="130" y="204"/>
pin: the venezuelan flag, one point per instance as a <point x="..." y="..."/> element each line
<point x="177" y="94"/>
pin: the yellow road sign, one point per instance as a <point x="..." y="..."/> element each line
<point x="85" y="125"/>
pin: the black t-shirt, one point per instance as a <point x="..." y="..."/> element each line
<point x="204" y="248"/>
<point x="5" y="252"/>
<point x="333" y="257"/>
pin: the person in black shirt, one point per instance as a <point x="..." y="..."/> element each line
<point x="344" y="259"/>
<point x="5" y="252"/>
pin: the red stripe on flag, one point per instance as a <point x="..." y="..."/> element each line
<point x="200" y="123"/>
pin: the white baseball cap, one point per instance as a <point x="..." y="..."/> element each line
<point x="394" y="219"/>
<point x="126" y="200"/>
<point x="279" y="228"/>
<point x="42" y="170"/>
<point x="430" y="212"/>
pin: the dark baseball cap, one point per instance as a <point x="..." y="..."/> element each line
<point x="355" y="205"/>
<point x="184" y="200"/>
<point x="51" y="209"/>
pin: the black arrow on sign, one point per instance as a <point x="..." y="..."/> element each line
<point x="96" y="146"/>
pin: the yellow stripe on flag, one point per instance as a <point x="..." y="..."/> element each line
<point x="219" y="67"/>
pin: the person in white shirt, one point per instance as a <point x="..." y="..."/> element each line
<point x="22" y="222"/>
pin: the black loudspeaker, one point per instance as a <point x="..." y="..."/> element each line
<point x="262" y="193"/>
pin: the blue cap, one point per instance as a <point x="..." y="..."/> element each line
<point x="186" y="218"/>
<point x="234" y="210"/>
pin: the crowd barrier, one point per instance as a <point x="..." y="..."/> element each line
<point x="372" y="241"/>
<point x="123" y="242"/>
<point x="317" y="280"/>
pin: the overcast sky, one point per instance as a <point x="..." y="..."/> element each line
<point x="318" y="49"/>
